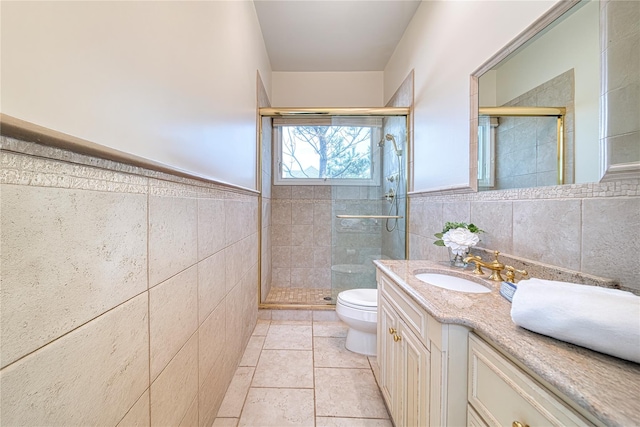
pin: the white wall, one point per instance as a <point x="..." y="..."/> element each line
<point x="174" y="82"/>
<point x="445" y="42"/>
<point x="327" y="89"/>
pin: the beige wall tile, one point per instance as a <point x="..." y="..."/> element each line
<point x="496" y="219"/>
<point x="211" y="283"/>
<point x="173" y="317"/>
<point x="92" y="376"/>
<point x="241" y="219"/>
<point x="548" y="231"/>
<point x="211" y="223"/>
<point x="213" y="390"/>
<point x="191" y="418"/>
<point x="281" y="212"/>
<point x="302" y="213"/>
<point x="606" y="243"/>
<point x="172" y="236"/>
<point x="281" y="235"/>
<point x="281" y="256"/>
<point x="302" y="235"/>
<point x="211" y="336"/>
<point x="138" y="415"/>
<point x="175" y="388"/>
<point x="225" y="422"/>
<point x="302" y="257"/>
<point x="456" y="212"/>
<point x="67" y="256"/>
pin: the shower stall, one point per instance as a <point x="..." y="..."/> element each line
<point x="334" y="187"/>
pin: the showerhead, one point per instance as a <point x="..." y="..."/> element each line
<point x="391" y="138"/>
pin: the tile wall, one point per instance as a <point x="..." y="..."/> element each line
<point x="527" y="147"/>
<point x="591" y="228"/>
<point x="128" y="296"/>
<point x="301" y="236"/>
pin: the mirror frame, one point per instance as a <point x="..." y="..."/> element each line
<point x="608" y="170"/>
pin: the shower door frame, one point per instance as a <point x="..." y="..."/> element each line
<point x="324" y="112"/>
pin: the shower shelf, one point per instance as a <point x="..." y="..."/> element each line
<point x="370" y="216"/>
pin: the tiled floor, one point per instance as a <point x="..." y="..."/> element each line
<point x="298" y="373"/>
<point x="298" y="296"/>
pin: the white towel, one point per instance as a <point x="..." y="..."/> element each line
<point x="604" y="320"/>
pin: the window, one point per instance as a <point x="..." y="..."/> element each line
<point x="486" y="151"/>
<point x="326" y="151"/>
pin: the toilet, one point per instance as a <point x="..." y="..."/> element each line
<point x="358" y="308"/>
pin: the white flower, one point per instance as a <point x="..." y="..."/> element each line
<point x="459" y="240"/>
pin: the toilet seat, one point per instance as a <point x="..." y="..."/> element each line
<point x="360" y="299"/>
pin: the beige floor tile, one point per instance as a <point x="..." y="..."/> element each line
<point x="331" y="353"/>
<point x="284" y="368"/>
<point x="292" y="322"/>
<point x="288" y="337"/>
<point x="225" y="422"/>
<point x="351" y="422"/>
<point x="348" y="393"/>
<point x="261" y="327"/>
<point x="330" y="329"/>
<point x="325" y="316"/>
<point x="278" y="407"/>
<point x="252" y="351"/>
<point x="236" y="393"/>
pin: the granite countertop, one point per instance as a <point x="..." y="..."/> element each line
<point x="602" y="385"/>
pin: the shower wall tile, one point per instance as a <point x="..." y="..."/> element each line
<point x="281" y="277"/>
<point x="211" y="284"/>
<point x="138" y="415"/>
<point x="173" y="317"/>
<point x="280" y="192"/>
<point x="79" y="379"/>
<point x="302" y="235"/>
<point x="322" y="192"/>
<point x="322" y="235"/>
<point x="67" y="256"/>
<point x="322" y="257"/>
<point x="302" y="192"/>
<point x="211" y="222"/>
<point x="281" y="256"/>
<point x="302" y="257"/>
<point x="281" y="235"/>
<point x="173" y="224"/>
<point x="302" y="213"/>
<point x="281" y="212"/>
<point x="176" y="387"/>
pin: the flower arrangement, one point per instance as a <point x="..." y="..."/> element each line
<point x="458" y="237"/>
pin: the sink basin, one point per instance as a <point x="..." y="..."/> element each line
<point x="452" y="283"/>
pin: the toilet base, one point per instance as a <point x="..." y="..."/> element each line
<point x="361" y="342"/>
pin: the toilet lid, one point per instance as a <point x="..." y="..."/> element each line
<point x="360" y="297"/>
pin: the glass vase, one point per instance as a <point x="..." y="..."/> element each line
<point x="458" y="260"/>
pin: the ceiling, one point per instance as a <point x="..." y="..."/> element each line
<point x="333" y="35"/>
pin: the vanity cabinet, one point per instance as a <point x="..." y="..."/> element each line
<point x="422" y="362"/>
<point x="501" y="394"/>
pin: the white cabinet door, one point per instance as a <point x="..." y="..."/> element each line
<point x="415" y="366"/>
<point x="387" y="354"/>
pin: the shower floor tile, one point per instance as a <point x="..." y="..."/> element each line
<point x="343" y="394"/>
<point x="313" y="296"/>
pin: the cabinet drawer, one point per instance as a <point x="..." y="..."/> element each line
<point x="502" y="393"/>
<point x="415" y="318"/>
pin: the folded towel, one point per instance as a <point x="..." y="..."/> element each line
<point x="604" y="320"/>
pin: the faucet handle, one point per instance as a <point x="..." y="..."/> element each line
<point x="511" y="273"/>
<point x="476" y="260"/>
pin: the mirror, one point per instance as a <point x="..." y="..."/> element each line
<point x="557" y="68"/>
